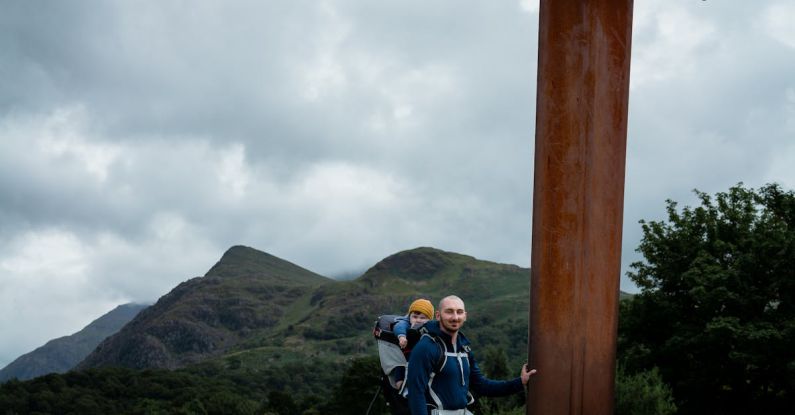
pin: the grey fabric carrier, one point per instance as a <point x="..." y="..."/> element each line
<point x="391" y="356"/>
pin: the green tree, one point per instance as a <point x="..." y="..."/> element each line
<point x="358" y="386"/>
<point x="281" y="403"/>
<point x="716" y="312"/>
<point x="192" y="407"/>
<point x="643" y="393"/>
<point x="494" y="364"/>
<point x="227" y="402"/>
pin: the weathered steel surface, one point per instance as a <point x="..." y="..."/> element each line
<point x="578" y="197"/>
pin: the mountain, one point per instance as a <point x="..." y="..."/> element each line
<point x="257" y="311"/>
<point x="348" y="308"/>
<point x="62" y="354"/>
<point x="259" y="334"/>
<point x="245" y="293"/>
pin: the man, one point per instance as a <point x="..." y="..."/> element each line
<point x="439" y="384"/>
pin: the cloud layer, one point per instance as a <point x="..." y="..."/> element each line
<point x="138" y="141"/>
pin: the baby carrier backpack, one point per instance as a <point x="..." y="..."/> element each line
<point x="392" y="356"/>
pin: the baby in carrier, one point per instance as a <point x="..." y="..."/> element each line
<point x="395" y="338"/>
<point x="420" y="311"/>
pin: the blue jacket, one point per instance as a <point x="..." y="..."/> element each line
<point x="448" y="389"/>
<point x="402" y="325"/>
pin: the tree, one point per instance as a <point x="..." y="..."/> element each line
<point x="281" y="403"/>
<point x="494" y="364"/>
<point x="716" y="313"/>
<point x="643" y="393"/>
<point x="357" y="387"/>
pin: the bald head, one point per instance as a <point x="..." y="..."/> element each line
<point x="451" y="314"/>
<point x="449" y="298"/>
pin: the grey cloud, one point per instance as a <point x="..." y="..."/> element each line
<point x="709" y="126"/>
<point x="333" y="134"/>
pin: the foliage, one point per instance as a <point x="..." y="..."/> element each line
<point x="494" y="364"/>
<point x="643" y="393"/>
<point x="125" y="391"/>
<point x="716" y="311"/>
<point x="354" y="392"/>
<point x="281" y="403"/>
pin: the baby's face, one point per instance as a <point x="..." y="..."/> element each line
<point x="416" y="318"/>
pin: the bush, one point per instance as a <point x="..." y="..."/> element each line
<point x="643" y="393"/>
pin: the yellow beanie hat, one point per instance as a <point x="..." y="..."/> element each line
<point x="422" y="306"/>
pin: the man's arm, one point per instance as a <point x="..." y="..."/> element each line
<point x="418" y="373"/>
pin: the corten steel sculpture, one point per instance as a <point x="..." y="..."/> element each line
<point x="578" y="196"/>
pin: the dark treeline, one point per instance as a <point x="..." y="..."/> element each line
<point x="127" y="391"/>
<point x="184" y="391"/>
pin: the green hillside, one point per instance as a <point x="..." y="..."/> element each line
<point x="246" y="293"/>
<point x="331" y="325"/>
<point x="256" y="330"/>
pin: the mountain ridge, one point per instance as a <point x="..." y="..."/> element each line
<point x="251" y="299"/>
<point x="63" y="353"/>
<point x="240" y="260"/>
<point x="251" y="331"/>
<point x="244" y="292"/>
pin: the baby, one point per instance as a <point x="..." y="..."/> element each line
<point x="420" y="311"/>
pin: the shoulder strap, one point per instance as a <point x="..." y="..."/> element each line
<point x="440" y="362"/>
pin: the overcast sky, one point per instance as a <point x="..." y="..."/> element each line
<point x="140" y="140"/>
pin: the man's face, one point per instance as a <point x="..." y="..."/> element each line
<point x="451" y="315"/>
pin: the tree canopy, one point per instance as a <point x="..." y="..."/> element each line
<point x="716" y="313"/>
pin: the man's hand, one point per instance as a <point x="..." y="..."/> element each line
<point x="526" y="374"/>
<point x="402" y="341"/>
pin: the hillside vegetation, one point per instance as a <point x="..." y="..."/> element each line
<point x="258" y="334"/>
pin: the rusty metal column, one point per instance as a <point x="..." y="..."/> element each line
<point x="578" y="197"/>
